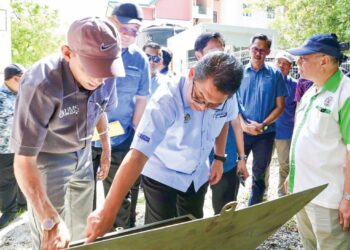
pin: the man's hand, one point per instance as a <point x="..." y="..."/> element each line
<point x="242" y="168"/>
<point x="97" y="225"/>
<point x="216" y="172"/>
<point x="286" y="184"/>
<point x="57" y="238"/>
<point x="251" y="127"/>
<point x="344" y="215"/>
<point x="105" y="163"/>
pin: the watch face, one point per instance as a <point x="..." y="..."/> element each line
<point x="48" y="224"/>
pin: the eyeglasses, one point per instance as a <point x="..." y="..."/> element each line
<point x="256" y="50"/>
<point x="155" y="59"/>
<point x="208" y="105"/>
<point x="129" y="31"/>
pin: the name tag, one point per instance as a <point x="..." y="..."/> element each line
<point x="220" y="115"/>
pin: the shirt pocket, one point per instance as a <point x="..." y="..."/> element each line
<point x="216" y="124"/>
<point x="130" y="83"/>
<point x="319" y="121"/>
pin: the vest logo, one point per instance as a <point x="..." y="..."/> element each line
<point x="73" y="110"/>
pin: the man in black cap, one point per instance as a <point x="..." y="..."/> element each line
<point x="132" y="93"/>
<point x="12" y="201"/>
<point x="320" y="148"/>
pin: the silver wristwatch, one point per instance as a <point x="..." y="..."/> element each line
<point x="49" y="223"/>
<point x="346" y="196"/>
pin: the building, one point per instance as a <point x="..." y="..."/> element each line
<point x="5" y="36"/>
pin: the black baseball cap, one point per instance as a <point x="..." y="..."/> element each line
<point x="13" y="70"/>
<point x="128" y="13"/>
<point x="320" y="43"/>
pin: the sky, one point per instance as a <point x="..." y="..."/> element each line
<point x="70" y="10"/>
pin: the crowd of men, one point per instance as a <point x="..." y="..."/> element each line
<point x="181" y="134"/>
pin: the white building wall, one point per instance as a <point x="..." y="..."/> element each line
<point x="5" y="36"/>
<point x="231" y="13"/>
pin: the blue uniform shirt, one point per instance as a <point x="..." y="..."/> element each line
<point x="285" y="123"/>
<point x="258" y="92"/>
<point x="230" y="151"/>
<point x="135" y="83"/>
<point x="177" y="139"/>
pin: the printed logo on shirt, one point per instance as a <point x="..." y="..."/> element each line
<point x="323" y="109"/>
<point x="144" y="137"/>
<point x="327" y="102"/>
<point x="73" y="110"/>
<point x="187" y="118"/>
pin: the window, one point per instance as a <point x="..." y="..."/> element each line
<point x="270" y="12"/>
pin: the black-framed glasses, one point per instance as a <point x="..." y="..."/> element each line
<point x="256" y="50"/>
<point x="208" y="105"/>
<point x="155" y="59"/>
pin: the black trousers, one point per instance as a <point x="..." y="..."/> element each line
<point x="164" y="202"/>
<point x="11" y="197"/>
<point x="225" y="190"/>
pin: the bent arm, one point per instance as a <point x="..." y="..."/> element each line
<point x="276" y="112"/>
<point x="29" y="180"/>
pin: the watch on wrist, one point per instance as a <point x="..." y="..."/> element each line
<point x="346" y="196"/>
<point x="49" y="223"/>
<point x="265" y="126"/>
<point x="242" y="158"/>
<point x="220" y="158"/>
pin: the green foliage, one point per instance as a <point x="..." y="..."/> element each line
<point x="304" y="18"/>
<point x="34" y="31"/>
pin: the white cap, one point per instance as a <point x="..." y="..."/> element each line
<point x="285" y="55"/>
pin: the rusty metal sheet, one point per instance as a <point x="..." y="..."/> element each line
<point x="242" y="229"/>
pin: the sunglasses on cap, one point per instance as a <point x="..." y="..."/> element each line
<point x="155" y="59"/>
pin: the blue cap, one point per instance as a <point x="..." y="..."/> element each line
<point x="320" y="43"/>
<point x="128" y="13"/>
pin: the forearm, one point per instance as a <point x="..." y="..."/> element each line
<point x="347" y="174"/>
<point x="102" y="129"/>
<point x="237" y="130"/>
<point x="276" y="112"/>
<point x="140" y="105"/>
<point x="220" y="141"/>
<point x="126" y="176"/>
<point x="29" y="180"/>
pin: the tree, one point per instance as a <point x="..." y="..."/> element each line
<point x="34" y="31"/>
<point x="301" y="19"/>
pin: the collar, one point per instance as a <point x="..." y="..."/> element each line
<point x="250" y="67"/>
<point x="333" y="82"/>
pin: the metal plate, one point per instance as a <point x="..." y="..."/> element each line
<point x="242" y="229"/>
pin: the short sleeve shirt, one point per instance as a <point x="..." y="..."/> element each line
<point x="135" y="83"/>
<point x="321" y="140"/>
<point x="258" y="92"/>
<point x="53" y="114"/>
<point x="177" y="139"/>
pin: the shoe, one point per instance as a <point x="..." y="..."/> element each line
<point x="6" y="218"/>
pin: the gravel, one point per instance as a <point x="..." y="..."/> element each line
<point x="17" y="235"/>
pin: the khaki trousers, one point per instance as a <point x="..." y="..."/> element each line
<point x="69" y="183"/>
<point x="319" y="229"/>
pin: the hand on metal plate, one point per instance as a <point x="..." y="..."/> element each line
<point x="216" y="172"/>
<point x="344" y="215"/>
<point x="97" y="225"/>
<point x="57" y="238"/>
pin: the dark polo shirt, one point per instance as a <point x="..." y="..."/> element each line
<point x="52" y="114"/>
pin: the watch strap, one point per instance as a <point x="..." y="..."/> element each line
<point x="220" y="158"/>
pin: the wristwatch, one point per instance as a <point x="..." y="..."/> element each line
<point x="346" y="196"/>
<point x="49" y="223"/>
<point x="220" y="158"/>
<point x="242" y="158"/>
<point x="265" y="126"/>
